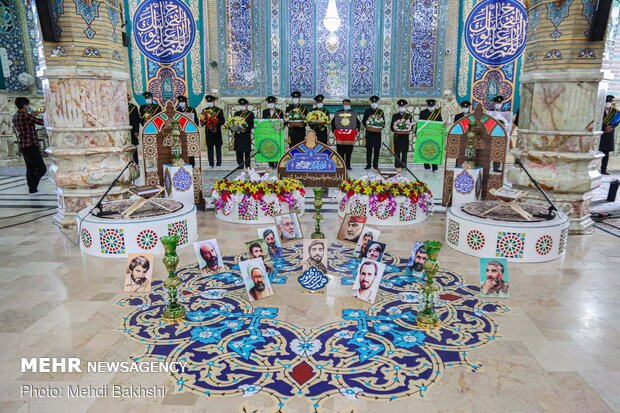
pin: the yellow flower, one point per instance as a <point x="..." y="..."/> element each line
<point x="368" y="190"/>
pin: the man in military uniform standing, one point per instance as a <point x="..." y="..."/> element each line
<point x="272" y="113"/>
<point x="183" y="107"/>
<point x="296" y="134"/>
<point x="243" y="138"/>
<point x="606" y="144"/>
<point x="345" y="126"/>
<point x="148" y="110"/>
<point x="431" y="113"/>
<point x="465" y="105"/>
<point x="320" y="131"/>
<point x="213" y="133"/>
<point x="373" y="138"/>
<point x="401" y="139"/>
<point x="134" y="121"/>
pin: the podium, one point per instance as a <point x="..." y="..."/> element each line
<point x="178" y="183"/>
<point x="467" y="185"/>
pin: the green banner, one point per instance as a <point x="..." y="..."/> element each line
<point x="268" y="139"/>
<point x="429" y="142"/>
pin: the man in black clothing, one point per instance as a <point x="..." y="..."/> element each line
<point x="401" y="139"/>
<point x="213" y="131"/>
<point x="432" y="112"/>
<point x="148" y="110"/>
<point x="134" y="121"/>
<point x="272" y="113"/>
<point x="183" y="107"/>
<point x="606" y="144"/>
<point x="243" y="138"/>
<point x="296" y="134"/>
<point x="345" y="126"/>
<point x="320" y="130"/>
<point x="465" y="105"/>
<point x="373" y="138"/>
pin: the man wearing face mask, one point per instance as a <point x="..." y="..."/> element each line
<point x="345" y="126"/>
<point x="134" y="121"/>
<point x="432" y="112"/>
<point x="243" y="139"/>
<point x="272" y="113"/>
<point x="213" y="134"/>
<point x="401" y="139"/>
<point x="373" y="138"/>
<point x="465" y="105"/>
<point x="606" y="144"/>
<point x="183" y="107"/>
<point x="321" y="131"/>
<point x="296" y="134"/>
<point x="148" y="110"/>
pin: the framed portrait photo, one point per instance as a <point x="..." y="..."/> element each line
<point x="139" y="273"/>
<point x="258" y="249"/>
<point x="256" y="279"/>
<point x="288" y="227"/>
<point x="367" y="280"/>
<point x="374" y="251"/>
<point x="351" y="228"/>
<point x="272" y="239"/>
<point x="417" y="258"/>
<point x="494" y="278"/>
<point x="315" y="254"/>
<point x="208" y="256"/>
<point x="368" y="234"/>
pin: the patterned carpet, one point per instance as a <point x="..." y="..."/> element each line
<point x="376" y="353"/>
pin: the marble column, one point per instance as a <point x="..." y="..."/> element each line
<point x="85" y="86"/>
<point x="563" y="87"/>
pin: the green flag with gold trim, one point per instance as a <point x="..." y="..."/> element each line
<point x="269" y="139"/>
<point x="429" y="142"/>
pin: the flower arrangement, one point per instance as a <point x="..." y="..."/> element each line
<point x="208" y="119"/>
<point x="403" y="126"/>
<point x="296" y="117"/>
<point x="318" y="118"/>
<point x="267" y="191"/>
<point x="236" y="124"/>
<point x="375" y="123"/>
<point x="387" y="194"/>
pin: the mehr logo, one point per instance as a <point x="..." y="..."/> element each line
<point x="51" y="365"/>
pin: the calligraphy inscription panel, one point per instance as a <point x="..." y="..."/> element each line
<point x="495" y="31"/>
<point x="315" y="166"/>
<point x="164" y="30"/>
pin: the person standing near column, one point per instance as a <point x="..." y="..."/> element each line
<point x="24" y="122"/>
<point x="465" y="105"/>
<point x="272" y="113"/>
<point x="345" y="126"/>
<point x="296" y="134"/>
<point x="401" y="138"/>
<point x="213" y="119"/>
<point x="183" y="107"/>
<point x="606" y="144"/>
<point x="320" y="131"/>
<point x="149" y="109"/>
<point x="431" y="113"/>
<point x="243" y="139"/>
<point x="373" y="137"/>
<point x="134" y="122"/>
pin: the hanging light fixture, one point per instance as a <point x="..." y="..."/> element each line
<point x="331" y="21"/>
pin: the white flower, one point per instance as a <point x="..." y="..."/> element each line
<point x="237" y="197"/>
<point x="364" y="198"/>
<point x="250" y="389"/>
<point x="400" y="199"/>
<point x="270" y="198"/>
<point x="215" y="195"/>
<point x="350" y="392"/>
<point x="305" y="348"/>
<point x="297" y="195"/>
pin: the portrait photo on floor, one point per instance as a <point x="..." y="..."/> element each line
<point x="272" y="238"/>
<point x="367" y="280"/>
<point x="208" y="256"/>
<point x="369" y="234"/>
<point x="258" y="249"/>
<point x="314" y="254"/>
<point x="139" y="273"/>
<point x="494" y="278"/>
<point x="351" y="228"/>
<point x="374" y="251"/>
<point x="288" y="227"/>
<point x="255" y="278"/>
